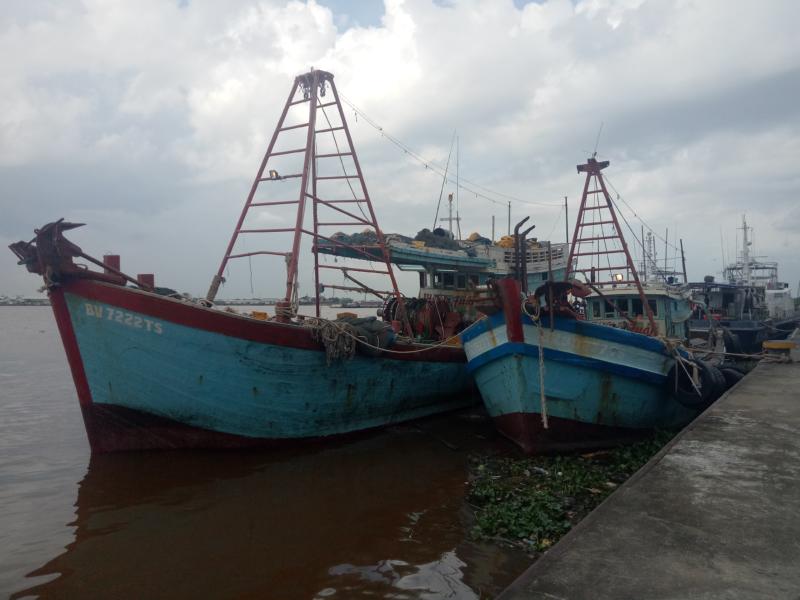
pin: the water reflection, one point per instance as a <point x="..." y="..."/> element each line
<point x="382" y="516"/>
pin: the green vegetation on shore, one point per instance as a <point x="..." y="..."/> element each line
<point x="531" y="502"/>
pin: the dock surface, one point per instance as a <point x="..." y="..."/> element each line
<point x="716" y="514"/>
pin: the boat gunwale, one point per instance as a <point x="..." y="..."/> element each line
<point x="235" y="325"/>
<point x="578" y="327"/>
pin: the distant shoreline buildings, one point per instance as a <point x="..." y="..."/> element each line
<point x="20" y="301"/>
<point x="305" y="300"/>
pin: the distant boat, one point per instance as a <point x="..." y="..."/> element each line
<point x="154" y="369"/>
<point x="751" y="305"/>
<point x="551" y="378"/>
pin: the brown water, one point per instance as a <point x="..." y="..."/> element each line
<point x="376" y="516"/>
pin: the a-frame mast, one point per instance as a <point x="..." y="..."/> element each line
<point x="311" y="88"/>
<point x="596" y="216"/>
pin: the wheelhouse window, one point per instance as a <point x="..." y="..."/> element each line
<point x="596" y="308"/>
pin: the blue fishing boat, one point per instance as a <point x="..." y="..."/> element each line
<point x="156" y="369"/>
<point x="550" y="378"/>
<point x="563" y="382"/>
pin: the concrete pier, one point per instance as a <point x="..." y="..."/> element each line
<point x="716" y="514"/>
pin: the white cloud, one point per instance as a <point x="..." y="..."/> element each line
<point x="695" y="98"/>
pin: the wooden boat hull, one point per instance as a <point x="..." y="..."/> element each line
<point x="156" y="372"/>
<point x="600" y="383"/>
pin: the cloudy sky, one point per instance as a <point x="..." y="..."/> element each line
<point x="147" y="120"/>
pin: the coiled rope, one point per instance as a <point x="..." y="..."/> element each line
<point x="339" y="339"/>
<point x="287" y="312"/>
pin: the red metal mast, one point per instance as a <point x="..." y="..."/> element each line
<point x="326" y="201"/>
<point x="595" y="215"/>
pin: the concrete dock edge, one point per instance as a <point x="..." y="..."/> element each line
<point x="715" y="514"/>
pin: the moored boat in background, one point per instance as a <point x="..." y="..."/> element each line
<point x="553" y="381"/>
<point x="750" y="306"/>
<point x="551" y="378"/>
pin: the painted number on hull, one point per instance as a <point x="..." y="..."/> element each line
<point x="98" y="311"/>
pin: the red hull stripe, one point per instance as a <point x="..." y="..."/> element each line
<point x="198" y="317"/>
<point x="67" y="333"/>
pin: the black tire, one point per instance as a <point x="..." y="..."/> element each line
<point x="720" y="385"/>
<point x="732" y="376"/>
<point x="732" y="342"/>
<point x="686" y="394"/>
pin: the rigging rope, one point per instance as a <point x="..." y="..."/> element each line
<point x="635" y="214"/>
<point x="341" y="161"/>
<point x="436" y="168"/>
<point x="444" y="180"/>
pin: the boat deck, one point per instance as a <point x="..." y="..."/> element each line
<point x="713" y="515"/>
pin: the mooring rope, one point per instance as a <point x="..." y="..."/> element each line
<point x="542" y="397"/>
<point x="348" y="330"/>
<point x="287" y="312"/>
<point x="536" y="318"/>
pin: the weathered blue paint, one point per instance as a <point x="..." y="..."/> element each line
<point x="592" y="374"/>
<point x="225" y="384"/>
<point x="559" y="356"/>
<point x="574" y="326"/>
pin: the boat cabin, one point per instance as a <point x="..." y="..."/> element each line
<point x="671" y="308"/>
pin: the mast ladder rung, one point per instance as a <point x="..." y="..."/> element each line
<point x="355" y="289"/>
<point x="298" y="101"/>
<point x="327" y="104"/>
<point x="345" y="224"/>
<point x="602" y="252"/>
<point x="354" y="200"/>
<point x="593" y="239"/>
<point x="596" y="223"/>
<point x="279" y="177"/>
<point x="354" y="269"/>
<point x="328" y="130"/>
<point x="331" y="155"/>
<point x="601" y="269"/>
<point x="294" y="127"/>
<point x="274" y="203"/>
<point x="281" y="230"/>
<point x="243" y="254"/>
<point x="337" y="177"/>
<point x="284" y="152"/>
